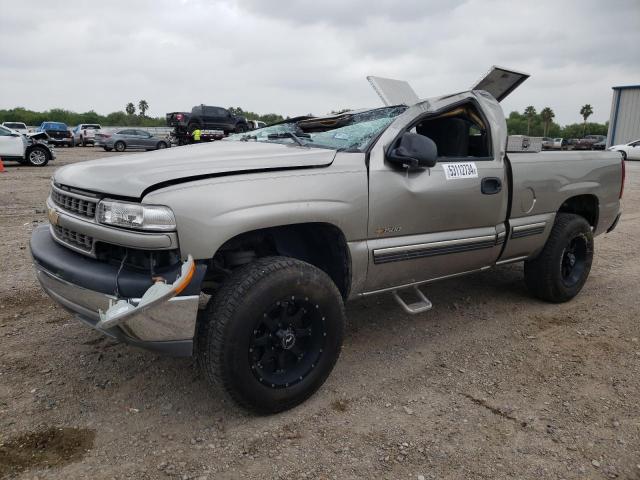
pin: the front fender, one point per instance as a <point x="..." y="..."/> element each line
<point x="209" y="212"/>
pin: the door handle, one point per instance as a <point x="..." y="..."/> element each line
<point x="491" y="185"/>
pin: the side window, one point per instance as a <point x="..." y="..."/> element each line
<point x="221" y="112"/>
<point x="125" y="132"/>
<point x="459" y="134"/>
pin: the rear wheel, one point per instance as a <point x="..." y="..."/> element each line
<point x="560" y="271"/>
<point x="272" y="333"/>
<point x="120" y="146"/>
<point x="161" y="145"/>
<point x="38" y="156"/>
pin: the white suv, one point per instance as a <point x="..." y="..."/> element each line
<point x="24" y="149"/>
<point x="85" y="133"/>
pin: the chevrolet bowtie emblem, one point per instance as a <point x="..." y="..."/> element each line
<point x="53" y="216"/>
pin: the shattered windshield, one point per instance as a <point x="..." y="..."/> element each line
<point x="351" y="131"/>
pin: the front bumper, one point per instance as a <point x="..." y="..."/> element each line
<point x="83" y="286"/>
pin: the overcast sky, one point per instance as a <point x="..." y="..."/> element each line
<point x="296" y="56"/>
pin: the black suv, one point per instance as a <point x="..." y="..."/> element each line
<point x="207" y="118"/>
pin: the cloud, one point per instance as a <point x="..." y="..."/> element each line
<point x="296" y="57"/>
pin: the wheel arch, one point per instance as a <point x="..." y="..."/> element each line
<point x="30" y="148"/>
<point x="323" y="245"/>
<point x="585" y="205"/>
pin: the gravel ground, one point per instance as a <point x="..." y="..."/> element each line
<point x="489" y="384"/>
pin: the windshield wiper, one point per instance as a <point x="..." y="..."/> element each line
<point x="292" y="136"/>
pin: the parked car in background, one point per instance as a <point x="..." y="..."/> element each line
<point x="547" y="143"/>
<point x="629" y="151"/>
<point x="560" y="144"/>
<point x="85" y="133"/>
<point x="130" y="139"/>
<point x="587" y="142"/>
<point x="255" y="124"/>
<point x="58" y="132"/>
<point x="601" y="145"/>
<point x="16" y="126"/>
<point x="27" y="149"/>
<point x="572" y="142"/>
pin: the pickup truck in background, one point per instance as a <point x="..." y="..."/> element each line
<point x="58" y="132"/>
<point x="85" y="134"/>
<point x="276" y="228"/>
<point x="207" y="117"/>
<point x="19" y="127"/>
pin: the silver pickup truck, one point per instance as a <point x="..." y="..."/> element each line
<point x="242" y="252"/>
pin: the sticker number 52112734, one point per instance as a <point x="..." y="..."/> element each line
<point x="453" y="171"/>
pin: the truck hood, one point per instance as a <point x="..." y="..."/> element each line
<point x="131" y="175"/>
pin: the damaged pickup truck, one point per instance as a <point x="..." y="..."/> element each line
<point x="242" y="252"/>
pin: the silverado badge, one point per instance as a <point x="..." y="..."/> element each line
<point x="53" y="216"/>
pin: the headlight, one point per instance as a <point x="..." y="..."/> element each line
<point x="136" y="215"/>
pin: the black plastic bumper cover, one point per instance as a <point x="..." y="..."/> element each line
<point x="100" y="276"/>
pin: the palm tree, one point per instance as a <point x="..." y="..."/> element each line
<point x="529" y="112"/>
<point x="586" y="111"/>
<point x="143" y="106"/>
<point x="130" y="108"/>
<point x="547" y="115"/>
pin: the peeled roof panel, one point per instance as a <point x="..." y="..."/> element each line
<point x="500" y="82"/>
<point x="393" y="92"/>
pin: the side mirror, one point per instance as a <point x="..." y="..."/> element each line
<point x="15" y="134"/>
<point x="414" y="151"/>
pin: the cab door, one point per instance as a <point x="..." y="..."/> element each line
<point x="440" y="221"/>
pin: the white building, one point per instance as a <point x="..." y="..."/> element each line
<point x="624" y="123"/>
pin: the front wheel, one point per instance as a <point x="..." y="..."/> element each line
<point x="38" y="156"/>
<point x="560" y="271"/>
<point x="624" y="154"/>
<point x="272" y="333"/>
<point x="240" y="128"/>
<point x="161" y="145"/>
<point x="120" y="147"/>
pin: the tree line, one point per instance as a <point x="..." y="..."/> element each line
<point x="530" y="122"/>
<point x="126" y="118"/>
<point x="535" y="124"/>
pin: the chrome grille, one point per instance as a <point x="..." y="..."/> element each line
<point x="74" y="204"/>
<point x="73" y="239"/>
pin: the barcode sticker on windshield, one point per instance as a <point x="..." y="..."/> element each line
<point x="454" y="171"/>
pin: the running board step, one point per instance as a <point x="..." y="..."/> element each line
<point x="422" y="305"/>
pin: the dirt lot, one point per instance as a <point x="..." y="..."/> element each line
<point x="489" y="384"/>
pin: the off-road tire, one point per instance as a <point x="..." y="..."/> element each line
<point x="120" y="146"/>
<point x="228" y="326"/>
<point x="545" y="274"/>
<point x="38" y="156"/>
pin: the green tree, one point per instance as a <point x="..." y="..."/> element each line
<point x="130" y="108"/>
<point x="530" y="113"/>
<point x="547" y="116"/>
<point x="143" y="106"/>
<point x="586" y="111"/>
